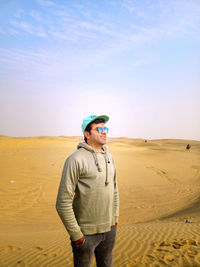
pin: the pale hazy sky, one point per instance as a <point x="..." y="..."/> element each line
<point x="136" y="61"/>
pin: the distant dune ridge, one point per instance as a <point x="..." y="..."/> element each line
<point x="159" y="183"/>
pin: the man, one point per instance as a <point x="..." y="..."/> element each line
<point x="88" y="201"/>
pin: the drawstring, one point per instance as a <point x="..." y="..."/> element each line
<point x="96" y="162"/>
<point x="98" y="166"/>
<point x="106" y="160"/>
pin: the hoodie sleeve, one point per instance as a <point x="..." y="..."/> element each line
<point x="116" y="199"/>
<point x="69" y="179"/>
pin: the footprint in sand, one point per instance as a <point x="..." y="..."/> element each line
<point x="176" y="248"/>
<point x="158" y="260"/>
<point x="39" y="248"/>
<point x="163" y="174"/>
<point x="193" y="242"/>
<point x="162" y="250"/>
<point x="21" y="264"/>
<point x="9" y="248"/>
<point x="128" y="263"/>
<point x="197" y="170"/>
<point x="169" y="258"/>
<point x="141" y="207"/>
<point x="191" y="252"/>
<point x="47" y="255"/>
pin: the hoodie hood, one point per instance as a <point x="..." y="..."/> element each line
<point x="89" y="148"/>
<point x="94" y="153"/>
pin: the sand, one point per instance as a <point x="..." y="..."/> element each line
<point x="159" y="183"/>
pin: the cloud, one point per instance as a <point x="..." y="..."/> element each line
<point x="36" y="15"/>
<point x="22" y="25"/>
<point x="129" y="5"/>
<point x="141" y="23"/>
<point x="147" y="22"/>
<point x="28" y="28"/>
<point x="172" y="17"/>
<point x="98" y="36"/>
<point x="65" y="36"/>
<point x="20" y="63"/>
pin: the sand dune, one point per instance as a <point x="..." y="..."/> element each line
<point x="159" y="183"/>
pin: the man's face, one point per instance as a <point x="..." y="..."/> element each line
<point x="95" y="137"/>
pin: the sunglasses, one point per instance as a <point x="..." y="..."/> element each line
<point x="101" y="129"/>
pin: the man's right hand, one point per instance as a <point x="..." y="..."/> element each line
<point x="80" y="241"/>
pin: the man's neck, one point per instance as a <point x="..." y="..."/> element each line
<point x="97" y="148"/>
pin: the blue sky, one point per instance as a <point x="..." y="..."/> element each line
<point x="136" y="61"/>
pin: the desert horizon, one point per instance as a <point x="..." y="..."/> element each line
<point x="108" y="138"/>
<point x="159" y="185"/>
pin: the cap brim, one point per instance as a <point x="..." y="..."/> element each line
<point x="104" y="117"/>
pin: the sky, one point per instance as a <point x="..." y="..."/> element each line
<point x="136" y="61"/>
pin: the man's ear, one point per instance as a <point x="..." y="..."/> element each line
<point x="87" y="134"/>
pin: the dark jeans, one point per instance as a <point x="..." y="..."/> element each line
<point x="99" y="244"/>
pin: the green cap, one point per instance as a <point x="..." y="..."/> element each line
<point x="92" y="118"/>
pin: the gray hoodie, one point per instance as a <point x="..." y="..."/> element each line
<point x="88" y="201"/>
